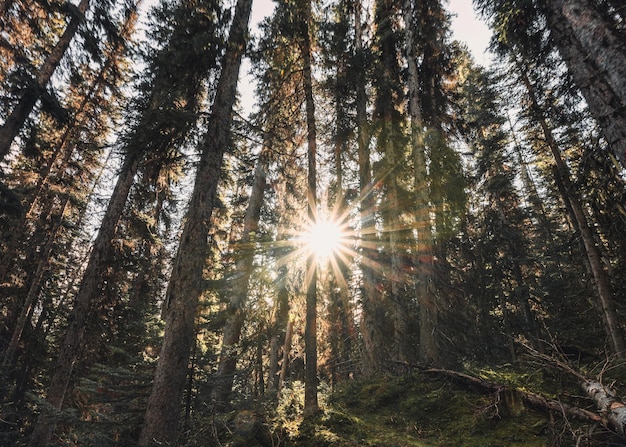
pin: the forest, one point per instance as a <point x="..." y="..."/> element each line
<point x="394" y="246"/>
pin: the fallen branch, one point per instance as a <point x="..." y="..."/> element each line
<point x="532" y="399"/>
<point x="609" y="405"/>
<point x="611" y="408"/>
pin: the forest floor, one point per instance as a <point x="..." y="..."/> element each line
<point x="417" y="410"/>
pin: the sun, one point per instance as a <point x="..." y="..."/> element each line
<point x="324" y="239"/>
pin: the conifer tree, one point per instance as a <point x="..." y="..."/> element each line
<point x="244" y="248"/>
<point x="15" y="120"/>
<point x="310" y="336"/>
<point x="185" y="284"/>
<point x="156" y="133"/>
<point x="372" y="305"/>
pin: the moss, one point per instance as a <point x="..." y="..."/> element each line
<point x="420" y="411"/>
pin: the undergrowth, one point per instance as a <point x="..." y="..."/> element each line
<point x="419" y="410"/>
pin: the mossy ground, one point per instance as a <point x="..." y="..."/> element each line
<point x="423" y="410"/>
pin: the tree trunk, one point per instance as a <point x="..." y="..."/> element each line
<point x="78" y="316"/>
<point x="371" y="330"/>
<point x="567" y="190"/>
<point x="243" y="269"/>
<point x="595" y="54"/>
<point x="16" y="119"/>
<point x="58" y="161"/>
<point x="608" y="404"/>
<point x="424" y="250"/>
<point x="534" y="400"/>
<point x="310" y="333"/>
<point x="43" y="262"/>
<point x="185" y="285"/>
<point x="387" y="139"/>
<point x="339" y="307"/>
<point x="280" y="328"/>
<point x="286" y="350"/>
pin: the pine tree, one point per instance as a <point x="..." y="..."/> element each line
<point x="242" y="272"/>
<point x="17" y="117"/>
<point x="153" y="135"/>
<point x="311" y="407"/>
<point x="184" y="288"/>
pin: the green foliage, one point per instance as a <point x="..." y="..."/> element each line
<point x="418" y="411"/>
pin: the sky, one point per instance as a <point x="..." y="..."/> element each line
<point x="466" y="27"/>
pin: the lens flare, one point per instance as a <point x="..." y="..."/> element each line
<point x="324" y="239"/>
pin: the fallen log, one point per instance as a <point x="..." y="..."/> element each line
<point x="612" y="409"/>
<point x="609" y="405"/>
<point x="532" y="399"/>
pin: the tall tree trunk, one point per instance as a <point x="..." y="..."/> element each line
<point x="243" y="269"/>
<point x="595" y="54"/>
<point x="387" y="140"/>
<point x="424" y="293"/>
<point x="580" y="219"/>
<point x="185" y="285"/>
<point x="16" y="119"/>
<point x="286" y="350"/>
<point x="78" y="317"/>
<point x="370" y="301"/>
<point x="280" y="328"/>
<point x="311" y="407"/>
<point x="43" y="264"/>
<point x="339" y="307"/>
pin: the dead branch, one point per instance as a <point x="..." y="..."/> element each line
<point x="612" y="409"/>
<point x="532" y="399"/>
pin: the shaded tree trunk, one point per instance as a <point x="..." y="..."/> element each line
<point x="76" y="322"/>
<point x="83" y="116"/>
<point x="595" y="54"/>
<point x="243" y="269"/>
<point x="286" y="350"/>
<point x="371" y="330"/>
<point x="310" y="333"/>
<point x="43" y="263"/>
<point x="388" y="141"/>
<point x="185" y="285"/>
<point x="580" y="219"/>
<point x="424" y="250"/>
<point x="279" y="331"/>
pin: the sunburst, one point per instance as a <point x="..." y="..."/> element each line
<point x="324" y="238"/>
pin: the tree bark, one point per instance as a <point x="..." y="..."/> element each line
<point x="580" y="219"/>
<point x="595" y="55"/>
<point x="311" y="407"/>
<point x="185" y="285"/>
<point x="232" y="330"/>
<point x="16" y="119"/>
<point x="608" y="404"/>
<point x="280" y="330"/>
<point x="370" y="304"/>
<point x="43" y="263"/>
<point x="76" y="322"/>
<point x="424" y="249"/>
<point x="286" y="350"/>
